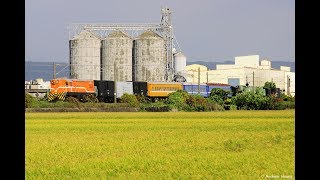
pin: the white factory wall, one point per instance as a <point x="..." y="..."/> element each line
<point x="291" y="76"/>
<point x="222" y="76"/>
<point x="226" y="66"/>
<point x="247" y="61"/>
<point x="265" y="64"/>
<point x="194" y="67"/>
<point x="260" y="76"/>
<point x="191" y="73"/>
<point x="285" y="68"/>
<point x="250" y="72"/>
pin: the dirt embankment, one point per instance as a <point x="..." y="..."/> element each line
<point x="110" y="109"/>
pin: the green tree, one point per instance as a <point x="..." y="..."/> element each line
<point x="28" y="100"/>
<point x="130" y="99"/>
<point x="253" y="101"/>
<point x="197" y="103"/>
<point x="269" y="85"/>
<point x="219" y="96"/>
<point x="219" y="92"/>
<point x="178" y="99"/>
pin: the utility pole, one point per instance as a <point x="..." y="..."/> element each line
<point x="253" y="81"/>
<point x="288" y="85"/>
<point x="198" y="80"/>
<point x="207" y="77"/>
<point x="54" y="70"/>
<point x="246" y="79"/>
<point x="115" y="83"/>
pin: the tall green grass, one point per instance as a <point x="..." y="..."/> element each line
<point x="164" y="145"/>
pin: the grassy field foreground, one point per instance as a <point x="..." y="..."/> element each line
<point x="170" y="145"/>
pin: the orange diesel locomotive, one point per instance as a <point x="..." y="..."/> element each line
<point x="62" y="88"/>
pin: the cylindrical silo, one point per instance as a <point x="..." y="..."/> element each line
<point x="149" y="57"/>
<point x="180" y="62"/>
<point x="116" y="57"/>
<point x="85" y="56"/>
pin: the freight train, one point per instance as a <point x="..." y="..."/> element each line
<point x="107" y="91"/>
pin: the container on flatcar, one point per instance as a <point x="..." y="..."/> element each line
<point x="140" y="87"/>
<point x="123" y="87"/>
<point x="162" y="89"/>
<point x="105" y="90"/>
<point x="193" y="88"/>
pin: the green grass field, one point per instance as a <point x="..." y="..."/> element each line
<point x="168" y="145"/>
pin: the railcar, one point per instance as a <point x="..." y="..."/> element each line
<point x="140" y="87"/>
<point x="162" y="89"/>
<point x="123" y="87"/>
<point x="62" y="88"/>
<point x="104" y="90"/>
<point x="193" y="88"/>
<point x="107" y="91"/>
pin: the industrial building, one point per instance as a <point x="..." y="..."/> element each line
<point x="246" y="70"/>
<point x="123" y="52"/>
<point x="37" y="88"/>
<point x="146" y="52"/>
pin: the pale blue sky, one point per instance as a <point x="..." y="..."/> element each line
<point x="209" y="30"/>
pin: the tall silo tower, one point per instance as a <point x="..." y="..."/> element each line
<point x="116" y="57"/>
<point x="180" y="63"/>
<point x="149" y="57"/>
<point x="85" y="56"/>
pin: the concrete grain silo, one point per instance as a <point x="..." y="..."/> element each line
<point x="149" y="57"/>
<point x="116" y="57"/>
<point x="85" y="56"/>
